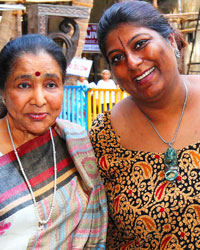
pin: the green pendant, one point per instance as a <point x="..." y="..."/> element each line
<point x="171" y="164"/>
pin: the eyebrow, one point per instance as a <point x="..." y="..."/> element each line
<point x="128" y="43"/>
<point x="23" y="77"/>
<point x="134" y="37"/>
<point x="112" y="51"/>
<point x="52" y="75"/>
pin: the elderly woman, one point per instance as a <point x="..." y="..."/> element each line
<point x="106" y="83"/>
<point x="147" y="147"/>
<point x="51" y="196"/>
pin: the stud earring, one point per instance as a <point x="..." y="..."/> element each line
<point x="4" y="101"/>
<point x="177" y="53"/>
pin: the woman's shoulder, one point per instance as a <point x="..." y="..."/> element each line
<point x="101" y="128"/>
<point x="101" y="134"/>
<point x="102" y="121"/>
<point x="124" y="106"/>
<point x="112" y="81"/>
<point x="66" y="128"/>
<point x="193" y="83"/>
<point x="192" y="79"/>
<point x="100" y="82"/>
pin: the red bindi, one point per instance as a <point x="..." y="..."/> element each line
<point x="37" y="73"/>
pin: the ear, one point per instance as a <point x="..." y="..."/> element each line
<point x="172" y="41"/>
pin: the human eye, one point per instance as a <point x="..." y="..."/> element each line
<point x="141" y="44"/>
<point x="51" y="85"/>
<point x="23" y="85"/>
<point x="117" y="58"/>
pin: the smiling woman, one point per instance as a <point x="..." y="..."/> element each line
<point x="53" y="198"/>
<point x="147" y="146"/>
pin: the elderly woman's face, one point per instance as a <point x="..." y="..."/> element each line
<point x="106" y="75"/>
<point x="141" y="60"/>
<point x="34" y="93"/>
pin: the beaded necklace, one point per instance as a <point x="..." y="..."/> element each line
<point x="40" y="221"/>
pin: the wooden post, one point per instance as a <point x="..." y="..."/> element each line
<point x="6" y="31"/>
<point x="17" y="28"/>
<point x="83" y="24"/>
<point x="155" y="3"/>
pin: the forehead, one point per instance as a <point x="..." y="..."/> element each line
<point x="35" y="66"/>
<point x="126" y="31"/>
<point x="41" y="60"/>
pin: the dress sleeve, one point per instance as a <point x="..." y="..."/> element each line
<point x="94" y="133"/>
<point x="99" y="136"/>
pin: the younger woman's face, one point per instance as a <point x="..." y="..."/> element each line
<point x="34" y="93"/>
<point x="141" y="60"/>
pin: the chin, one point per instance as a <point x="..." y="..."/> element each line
<point x="38" y="131"/>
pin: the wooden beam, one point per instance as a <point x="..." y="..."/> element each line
<point x="45" y="1"/>
<point x="182" y="15"/>
<point x="189" y="30"/>
<point x="36" y="1"/>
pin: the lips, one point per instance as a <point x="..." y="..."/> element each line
<point x="37" y="116"/>
<point x="145" y="74"/>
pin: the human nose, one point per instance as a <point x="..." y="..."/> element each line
<point x="38" y="97"/>
<point x="133" y="60"/>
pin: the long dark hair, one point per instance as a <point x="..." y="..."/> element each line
<point x="139" y="13"/>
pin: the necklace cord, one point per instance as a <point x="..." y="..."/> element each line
<point x="41" y="222"/>
<point x="179" y="122"/>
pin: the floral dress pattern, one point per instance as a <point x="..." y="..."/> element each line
<point x="145" y="210"/>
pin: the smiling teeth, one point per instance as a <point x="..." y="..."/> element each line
<point x="139" y="78"/>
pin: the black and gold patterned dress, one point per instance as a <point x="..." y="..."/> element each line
<point x="145" y="210"/>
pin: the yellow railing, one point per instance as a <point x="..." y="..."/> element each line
<point x="100" y="100"/>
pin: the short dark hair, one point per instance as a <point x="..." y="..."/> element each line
<point x="31" y="43"/>
<point x="140" y="13"/>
